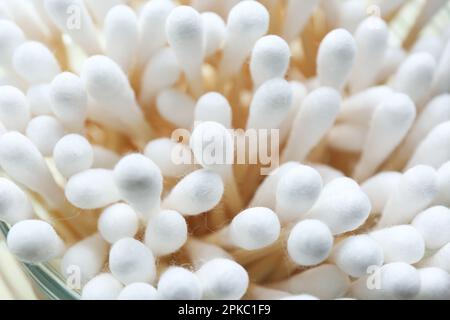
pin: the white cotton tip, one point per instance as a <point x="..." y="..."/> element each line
<point x="270" y="104"/>
<point x="371" y="39"/>
<point x="34" y="62"/>
<point x="269" y="59"/>
<point x="161" y="72"/>
<point x="415" y="190"/>
<point x="38" y="97"/>
<point x="247" y="22"/>
<point x="178" y="283"/>
<point x="434" y="150"/>
<point x="297" y="14"/>
<point x="393" y="58"/>
<point x="14" y="109"/>
<point x="440" y="259"/>
<point x="69" y="100"/>
<point x="176" y="107"/>
<point x="433" y="224"/>
<point x="434" y="284"/>
<point x="213" y="106"/>
<point x="73" y="154"/>
<point x="355" y="255"/>
<point x="296" y="192"/>
<point x="299" y="93"/>
<point x="443" y="196"/>
<point x="131" y="261"/>
<point x="99" y="9"/>
<point x="431" y="44"/>
<point x="198" y="192"/>
<point x="324" y="282"/>
<point x="118" y="221"/>
<point x="34" y="241"/>
<point x="104" y="158"/>
<point x="335" y="58"/>
<point x="316" y="116"/>
<point x="23" y="162"/>
<point x="121" y="35"/>
<point x="11" y="36"/>
<point x="102" y="287"/>
<point x="254" y="228"/>
<point x="390" y="123"/>
<point x="14" y="203"/>
<point x="358" y="108"/>
<point x="350" y="14"/>
<point x="347" y="137"/>
<point x="380" y="187"/>
<point x="441" y="77"/>
<point x="184" y="31"/>
<point x="85" y="258"/>
<point x="215" y="29"/>
<point x="73" y="18"/>
<point x="415" y="75"/>
<point x="138" y="291"/>
<point x="166" y="232"/>
<point x="309" y="242"/>
<point x="401" y="243"/>
<point x="170" y="157"/>
<point x="152" y="25"/>
<point x="342" y="206"/>
<point x="223" y="279"/>
<point x="326" y="172"/>
<point x="139" y="181"/>
<point x="398" y="280"/>
<point x="45" y="132"/>
<point x="213" y="147"/>
<point x="92" y="189"/>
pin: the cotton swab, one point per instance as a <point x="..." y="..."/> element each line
<point x="397" y="280"/>
<point x="34" y="241"/>
<point x="28" y="19"/>
<point x="131" y="261"/>
<point x="326" y="172"/>
<point x="316" y="116"/>
<point x="415" y="75"/>
<point x="23" y="162"/>
<point x="415" y="190"/>
<point x="440" y="259"/>
<point x="270" y="104"/>
<point x="14" y="203"/>
<point x="138" y="291"/>
<point x="45" y="132"/>
<point x="102" y="287"/>
<point x="223" y="279"/>
<point x="82" y="31"/>
<point x="215" y="29"/>
<point x="434" y="284"/>
<point x="401" y="243"/>
<point x="166" y="232"/>
<point x="213" y="106"/>
<point x="434" y="150"/>
<point x="176" y="107"/>
<point x="342" y="206"/>
<point x="178" y="283"/>
<point x="325" y="282"/>
<point x="69" y="100"/>
<point x="11" y="36"/>
<point x="443" y="196"/>
<point x="269" y="59"/>
<point x="390" y="123"/>
<point x="118" y="221"/>
<point x="14" y="109"/>
<point x="92" y="189"/>
<point x="335" y="58"/>
<point x="441" y="77"/>
<point x="73" y="154"/>
<point x="161" y="72"/>
<point x="350" y="14"/>
<point x="371" y="39"/>
<point x="38" y="97"/>
<point x="299" y="92"/>
<point x="247" y="22"/>
<point x="34" y="62"/>
<point x="379" y="188"/>
<point x="99" y="9"/>
<point x="296" y="192"/>
<point x="121" y="35"/>
<point x="309" y="242"/>
<point x="85" y="258"/>
<point x="433" y="224"/>
<point x="431" y="44"/>
<point x="184" y="31"/>
<point x="296" y="16"/>
<point x="347" y="137"/>
<point x="356" y="254"/>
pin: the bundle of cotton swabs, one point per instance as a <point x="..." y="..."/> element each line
<point x="91" y="92"/>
